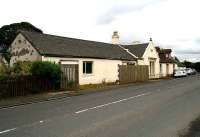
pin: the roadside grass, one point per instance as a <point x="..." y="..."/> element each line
<point x="95" y="86"/>
<point x="193" y="129"/>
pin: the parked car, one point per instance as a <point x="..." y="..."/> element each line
<point x="189" y="71"/>
<point x="180" y="73"/>
<point x="193" y="72"/>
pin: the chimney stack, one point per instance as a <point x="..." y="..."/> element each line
<point x="115" y="38"/>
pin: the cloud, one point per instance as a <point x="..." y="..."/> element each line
<point x="171" y="23"/>
<point x="193" y="52"/>
<point x="197" y="40"/>
<point x="121" y="8"/>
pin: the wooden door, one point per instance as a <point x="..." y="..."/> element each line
<point x="70" y="76"/>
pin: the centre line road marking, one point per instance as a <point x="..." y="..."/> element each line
<point x="8" y="130"/>
<point x="107" y="104"/>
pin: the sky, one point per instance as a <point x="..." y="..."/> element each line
<point x="171" y="23"/>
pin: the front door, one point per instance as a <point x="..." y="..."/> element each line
<point x="167" y="69"/>
<point x="152" y="68"/>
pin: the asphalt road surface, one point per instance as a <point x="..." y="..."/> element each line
<point x="158" y="109"/>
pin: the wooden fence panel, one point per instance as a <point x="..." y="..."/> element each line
<point x="70" y="76"/>
<point x="24" y="85"/>
<point x="130" y="73"/>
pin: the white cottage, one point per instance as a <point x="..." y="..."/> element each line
<point x="97" y="62"/>
<point x="167" y="63"/>
<point x="146" y="54"/>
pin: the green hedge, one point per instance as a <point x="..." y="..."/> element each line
<point x="21" y="68"/>
<point x="47" y="70"/>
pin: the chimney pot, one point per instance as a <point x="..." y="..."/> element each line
<point x="115" y="37"/>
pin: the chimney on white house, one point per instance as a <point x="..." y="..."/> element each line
<point x="115" y="38"/>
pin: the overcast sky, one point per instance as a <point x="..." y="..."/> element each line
<point x="171" y="23"/>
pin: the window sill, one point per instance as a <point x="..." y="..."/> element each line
<point x="88" y="75"/>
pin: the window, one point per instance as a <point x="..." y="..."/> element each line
<point x="161" y="69"/>
<point x="152" y="68"/>
<point x="87" y="67"/>
<point x="19" y="41"/>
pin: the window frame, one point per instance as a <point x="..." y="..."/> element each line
<point x="84" y="70"/>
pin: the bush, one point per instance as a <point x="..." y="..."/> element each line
<point x="4" y="77"/>
<point x="47" y="70"/>
<point x="22" y="68"/>
<point x="4" y="70"/>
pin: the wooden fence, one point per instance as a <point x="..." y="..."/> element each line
<point x="70" y="76"/>
<point x="130" y="73"/>
<point x="24" y="85"/>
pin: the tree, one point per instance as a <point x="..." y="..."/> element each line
<point x="8" y="34"/>
<point x="188" y="64"/>
<point x="197" y="66"/>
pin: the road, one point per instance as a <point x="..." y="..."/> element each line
<point x="158" y="109"/>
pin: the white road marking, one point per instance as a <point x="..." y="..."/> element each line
<point x="107" y="104"/>
<point x="8" y="130"/>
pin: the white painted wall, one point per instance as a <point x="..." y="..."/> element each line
<point x="22" y="50"/>
<point x="151" y="53"/>
<point x="164" y="69"/>
<point x="103" y="69"/>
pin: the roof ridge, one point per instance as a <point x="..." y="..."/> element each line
<point x="66" y="37"/>
<point x="136" y="44"/>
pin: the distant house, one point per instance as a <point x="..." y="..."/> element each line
<point x="167" y="63"/>
<point x="96" y="62"/>
<point x="147" y="55"/>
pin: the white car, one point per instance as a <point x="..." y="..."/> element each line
<point x="189" y="71"/>
<point x="180" y="73"/>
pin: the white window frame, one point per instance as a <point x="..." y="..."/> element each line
<point x="84" y="65"/>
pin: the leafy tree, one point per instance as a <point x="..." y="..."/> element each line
<point x="9" y="32"/>
<point x="188" y="64"/>
<point x="197" y="66"/>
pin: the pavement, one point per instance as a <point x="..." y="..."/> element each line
<point x="35" y="98"/>
<point x="157" y="109"/>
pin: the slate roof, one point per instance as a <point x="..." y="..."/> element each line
<point x="165" y="60"/>
<point x="51" y="45"/>
<point x="162" y="55"/>
<point x="137" y="49"/>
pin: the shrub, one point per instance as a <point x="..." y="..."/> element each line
<point x="47" y="70"/>
<point x="4" y="77"/>
<point x="22" y="67"/>
<point x="4" y="70"/>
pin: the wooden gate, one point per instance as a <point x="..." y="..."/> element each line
<point x="131" y="73"/>
<point x="69" y="77"/>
